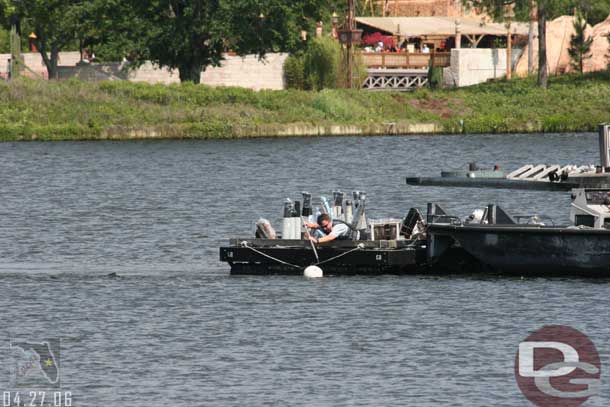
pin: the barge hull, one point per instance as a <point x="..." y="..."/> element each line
<point x="525" y="250"/>
<point x="257" y="256"/>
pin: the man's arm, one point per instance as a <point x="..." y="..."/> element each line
<point x="308" y="235"/>
<point x="327" y="238"/>
<point x="339" y="229"/>
<point x="323" y="239"/>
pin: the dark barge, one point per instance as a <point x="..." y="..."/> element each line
<point x="522" y="249"/>
<point x="526" y="245"/>
<point x="265" y="256"/>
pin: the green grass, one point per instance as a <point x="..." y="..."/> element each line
<point x="75" y="110"/>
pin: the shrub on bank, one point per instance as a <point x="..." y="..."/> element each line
<point x="435" y="76"/>
<point x="320" y="67"/>
<point x="294" y="71"/>
<point x="321" y="63"/>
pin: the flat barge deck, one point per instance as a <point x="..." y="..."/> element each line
<point x="263" y="256"/>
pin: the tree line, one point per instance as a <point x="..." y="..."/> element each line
<point x="190" y="35"/>
<point x="187" y="35"/>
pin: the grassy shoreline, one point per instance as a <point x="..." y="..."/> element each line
<point x="75" y="110"/>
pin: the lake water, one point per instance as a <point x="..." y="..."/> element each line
<point x="174" y="328"/>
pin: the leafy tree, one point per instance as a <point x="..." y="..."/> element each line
<point x="6" y="9"/>
<point x="65" y="24"/>
<point x="53" y="21"/>
<point x="190" y="35"/>
<point x="112" y="28"/>
<point x="580" y="44"/>
<point x="187" y="35"/>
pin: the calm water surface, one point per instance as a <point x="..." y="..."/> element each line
<point x="175" y="329"/>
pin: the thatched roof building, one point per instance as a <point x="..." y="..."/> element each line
<point x="439" y="29"/>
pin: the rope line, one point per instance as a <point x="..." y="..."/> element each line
<point x="360" y="246"/>
<point x="245" y="244"/>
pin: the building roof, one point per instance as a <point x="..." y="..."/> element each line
<point x="423" y="26"/>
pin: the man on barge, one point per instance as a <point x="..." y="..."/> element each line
<point x="330" y="230"/>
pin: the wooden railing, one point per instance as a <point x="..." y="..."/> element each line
<point x="405" y="59"/>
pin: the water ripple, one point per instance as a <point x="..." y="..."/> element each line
<point x="114" y="248"/>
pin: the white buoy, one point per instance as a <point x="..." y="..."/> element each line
<point x="313" y="272"/>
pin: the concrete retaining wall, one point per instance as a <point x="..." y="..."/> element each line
<point x="173" y="131"/>
<point x="470" y="66"/>
<point x="115" y="71"/>
<point x="34" y="62"/>
<point x="152" y="74"/>
<point x="246" y="72"/>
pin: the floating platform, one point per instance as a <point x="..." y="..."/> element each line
<point x="340" y="257"/>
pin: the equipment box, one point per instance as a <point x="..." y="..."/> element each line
<point x="385" y="229"/>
